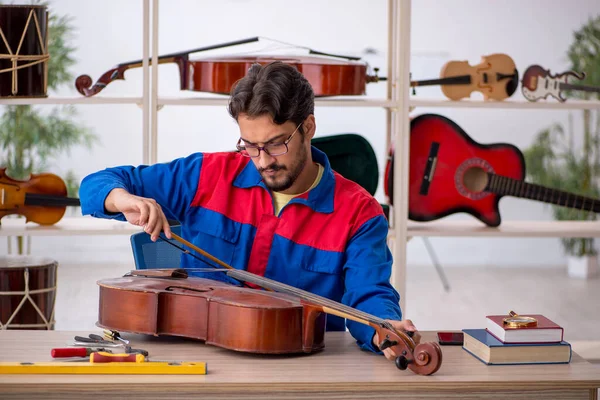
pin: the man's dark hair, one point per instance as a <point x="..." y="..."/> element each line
<point x="277" y="89"/>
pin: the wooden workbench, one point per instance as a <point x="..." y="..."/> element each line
<point x="342" y="370"/>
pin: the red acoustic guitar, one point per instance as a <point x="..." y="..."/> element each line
<point x="451" y="173"/>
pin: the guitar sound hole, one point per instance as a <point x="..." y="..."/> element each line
<point x="471" y="178"/>
<point x="475" y="179"/>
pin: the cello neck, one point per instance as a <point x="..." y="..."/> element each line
<point x="328" y="306"/>
<point x="173" y="57"/>
<point x="83" y="83"/>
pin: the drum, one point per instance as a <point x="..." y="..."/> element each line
<point x="27" y="292"/>
<point x="23" y="51"/>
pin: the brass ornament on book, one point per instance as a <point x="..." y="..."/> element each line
<point x="518" y="321"/>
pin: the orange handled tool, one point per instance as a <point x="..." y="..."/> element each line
<point x="104" y="357"/>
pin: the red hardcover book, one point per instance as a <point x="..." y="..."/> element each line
<point x="546" y="331"/>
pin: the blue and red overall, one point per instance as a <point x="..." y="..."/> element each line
<point x="330" y="241"/>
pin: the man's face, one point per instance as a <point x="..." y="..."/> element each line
<point x="278" y="172"/>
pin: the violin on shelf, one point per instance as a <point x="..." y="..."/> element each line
<point x="496" y="77"/>
<point x="538" y="83"/>
<point x="281" y="319"/>
<point x="328" y="74"/>
<point x="41" y="199"/>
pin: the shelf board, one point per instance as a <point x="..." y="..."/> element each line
<point x="463" y="228"/>
<point x="72" y="100"/>
<point x="319" y="102"/>
<point x="67" y="226"/>
<point x="549" y="104"/>
<point x="475" y="228"/>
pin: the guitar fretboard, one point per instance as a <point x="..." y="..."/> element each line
<point x="583" y="88"/>
<point x="513" y="187"/>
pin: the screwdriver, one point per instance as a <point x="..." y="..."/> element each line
<point x="114" y="335"/>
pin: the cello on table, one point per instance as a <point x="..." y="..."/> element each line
<point x="328" y="74"/>
<point x="279" y="320"/>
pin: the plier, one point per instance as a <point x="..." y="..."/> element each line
<point x="94" y="340"/>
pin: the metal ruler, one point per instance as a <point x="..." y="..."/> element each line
<point x="112" y="368"/>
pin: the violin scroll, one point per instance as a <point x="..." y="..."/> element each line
<point x="423" y="358"/>
<point x="83" y="83"/>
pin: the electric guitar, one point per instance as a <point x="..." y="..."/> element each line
<point x="496" y="77"/>
<point x="539" y="83"/>
<point x="451" y="173"/>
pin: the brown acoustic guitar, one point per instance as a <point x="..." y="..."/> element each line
<point x="496" y="77"/>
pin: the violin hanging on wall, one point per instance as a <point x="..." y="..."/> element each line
<point x="539" y="83"/>
<point x="496" y="77"/>
<point x="41" y="199"/>
<point x="328" y="74"/>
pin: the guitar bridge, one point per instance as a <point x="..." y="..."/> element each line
<point x="429" y="168"/>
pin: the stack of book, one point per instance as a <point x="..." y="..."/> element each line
<point x="501" y="344"/>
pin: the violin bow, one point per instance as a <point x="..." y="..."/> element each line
<point x="423" y="358"/>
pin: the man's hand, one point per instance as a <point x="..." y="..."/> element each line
<point x="403" y="326"/>
<point x="139" y="211"/>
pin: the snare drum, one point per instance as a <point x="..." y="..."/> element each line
<point x="23" y="51"/>
<point x="27" y="292"/>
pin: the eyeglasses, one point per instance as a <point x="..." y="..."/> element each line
<point x="272" y="149"/>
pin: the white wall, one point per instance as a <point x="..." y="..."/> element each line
<point x="110" y="32"/>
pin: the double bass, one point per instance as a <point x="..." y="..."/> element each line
<point x="328" y="74"/>
<point x="281" y="319"/>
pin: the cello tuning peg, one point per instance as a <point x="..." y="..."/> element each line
<point x="385" y="343"/>
<point x="402" y="362"/>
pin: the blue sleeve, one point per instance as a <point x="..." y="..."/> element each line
<point x="367" y="278"/>
<point x="173" y="186"/>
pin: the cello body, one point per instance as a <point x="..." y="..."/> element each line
<point x="220" y="314"/>
<point x="327" y="76"/>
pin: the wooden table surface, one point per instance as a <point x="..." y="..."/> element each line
<point x="342" y="370"/>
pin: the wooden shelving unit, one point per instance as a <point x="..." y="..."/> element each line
<point x="398" y="104"/>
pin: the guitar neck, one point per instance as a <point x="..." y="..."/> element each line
<point x="583" y="88"/>
<point x="513" y="187"/>
<point x="454" y="80"/>
<point x="34" y="199"/>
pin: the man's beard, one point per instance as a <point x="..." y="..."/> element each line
<point x="288" y="179"/>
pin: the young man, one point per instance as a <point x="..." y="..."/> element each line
<point x="275" y="207"/>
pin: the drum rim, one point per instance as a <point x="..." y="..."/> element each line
<point x="26" y="261"/>
<point x="22" y="6"/>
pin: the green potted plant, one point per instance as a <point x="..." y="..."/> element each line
<point x="555" y="160"/>
<point x="31" y="137"/>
